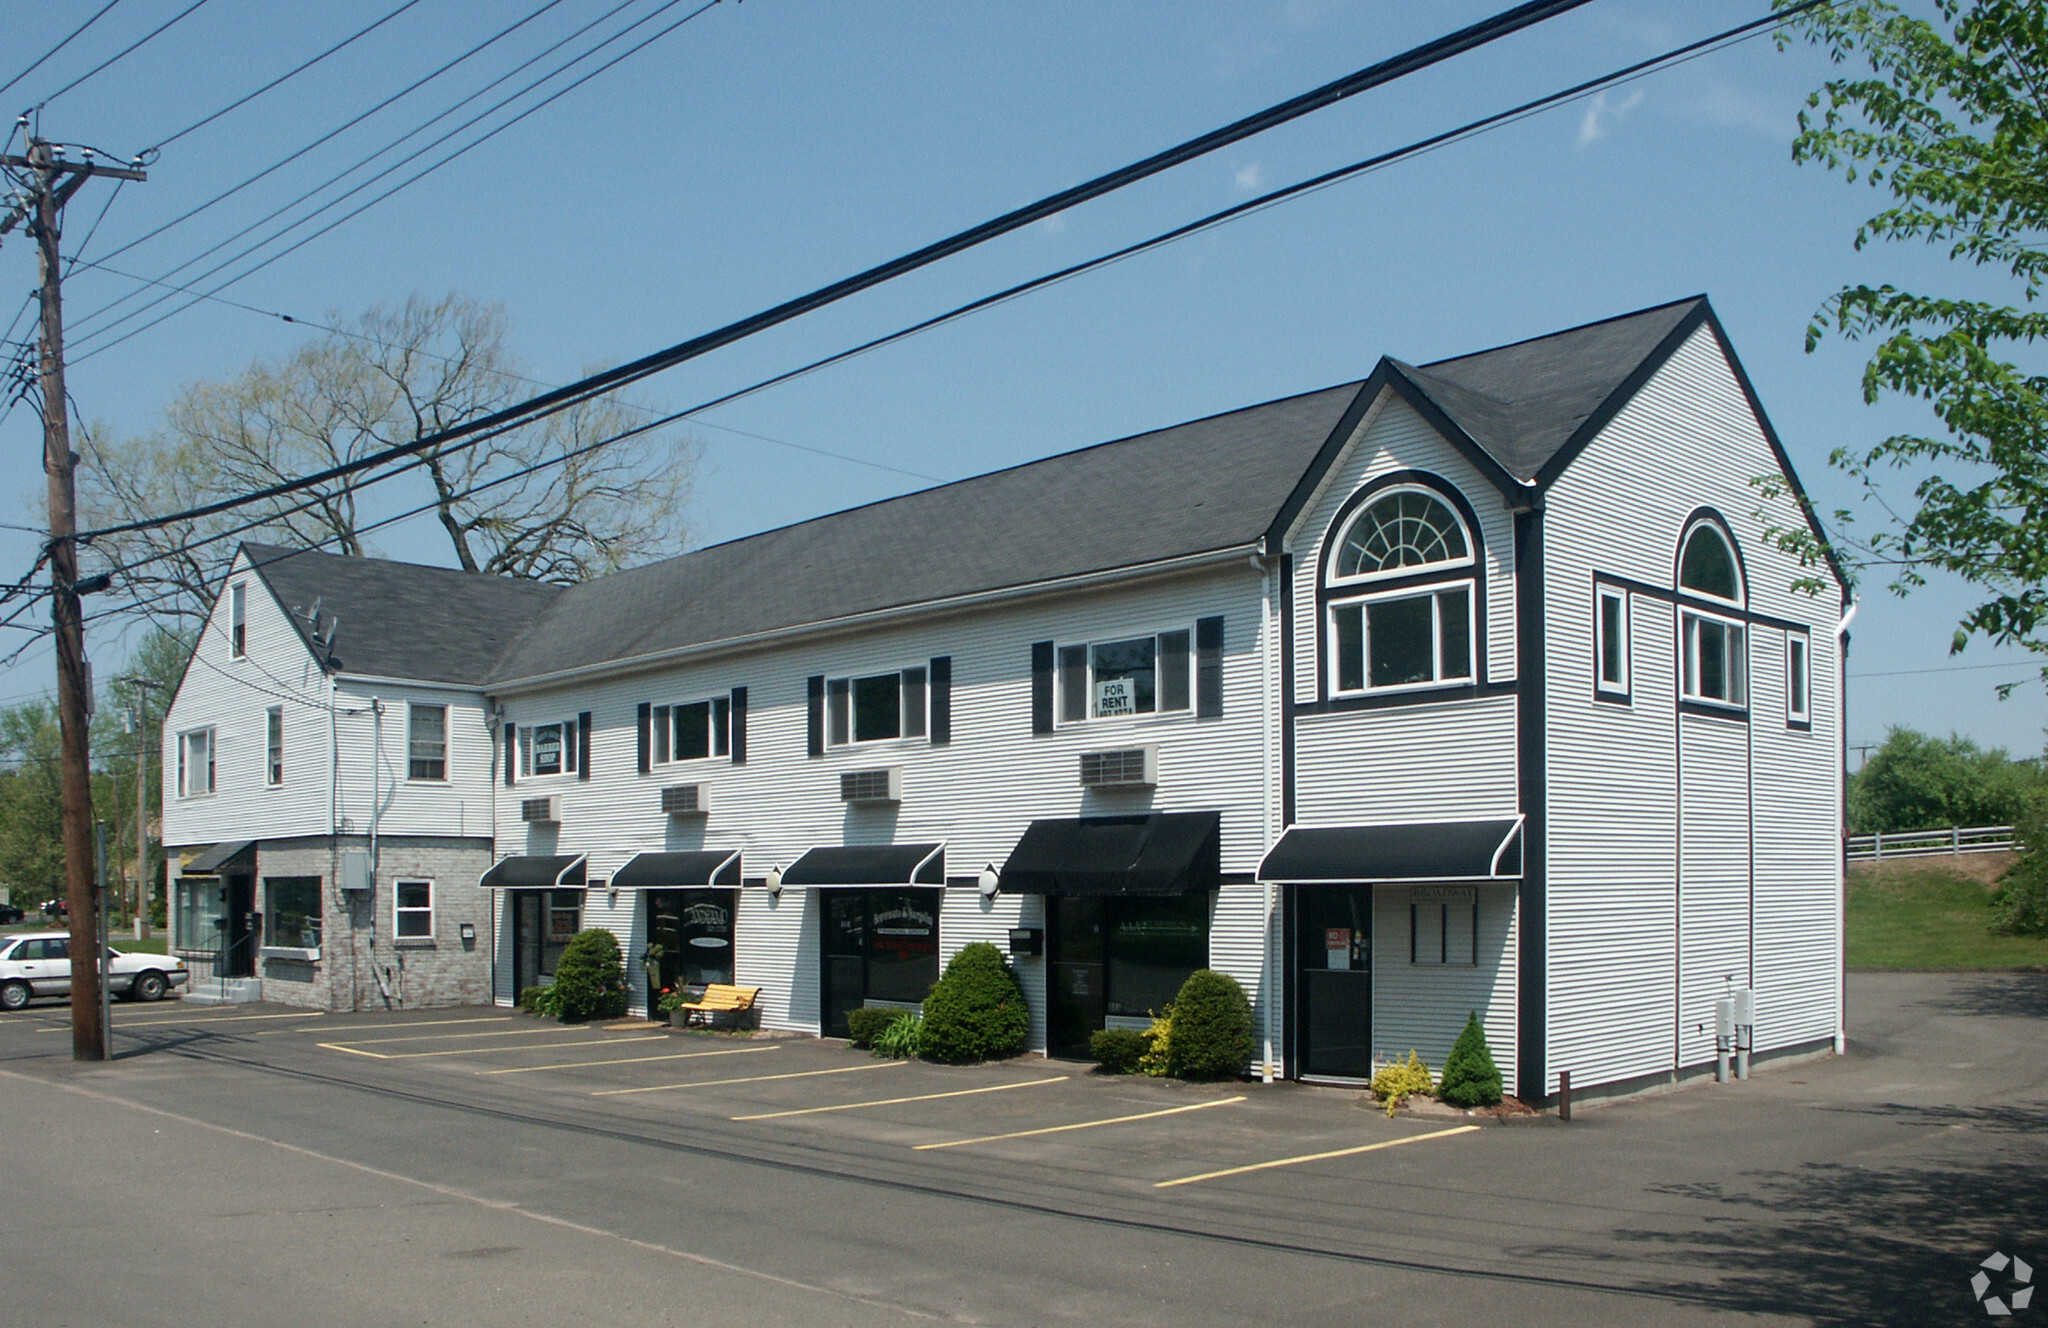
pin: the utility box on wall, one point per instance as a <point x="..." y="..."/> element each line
<point x="355" y="870"/>
<point x="1027" y="940"/>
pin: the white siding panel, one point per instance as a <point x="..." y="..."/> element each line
<point x="1451" y="760"/>
<point x="1424" y="1006"/>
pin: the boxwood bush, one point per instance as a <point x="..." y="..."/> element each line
<point x="1118" y="1050"/>
<point x="977" y="1010"/>
<point x="590" y="979"/>
<point x="1210" y="1033"/>
<point x="1470" y="1078"/>
<point x="864" y="1026"/>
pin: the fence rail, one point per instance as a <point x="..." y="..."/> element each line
<point x="1955" y="839"/>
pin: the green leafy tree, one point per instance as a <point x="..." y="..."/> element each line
<point x="1917" y="782"/>
<point x="1948" y="115"/>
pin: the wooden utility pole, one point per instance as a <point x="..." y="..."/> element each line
<point x="52" y="182"/>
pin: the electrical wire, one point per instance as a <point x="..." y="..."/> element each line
<point x="285" y="77"/>
<point x="124" y="54"/>
<point x="92" y="230"/>
<point x="1430" y="53"/>
<point x="104" y="328"/>
<point x="37" y="63"/>
<point x="342" y="128"/>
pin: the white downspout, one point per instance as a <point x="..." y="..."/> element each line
<point x="1841" y="825"/>
<point x="1269" y="699"/>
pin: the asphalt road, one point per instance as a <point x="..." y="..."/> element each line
<point x="259" y="1166"/>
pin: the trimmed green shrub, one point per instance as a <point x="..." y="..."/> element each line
<point x="864" y="1026"/>
<point x="977" y="1010"/>
<point x="590" y="979"/>
<point x="1118" y="1050"/>
<point x="1209" y="1032"/>
<point x="1470" y="1078"/>
<point x="1402" y="1079"/>
<point x="901" y="1038"/>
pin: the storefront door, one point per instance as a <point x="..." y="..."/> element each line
<point x="1333" y="988"/>
<point x="694" y="930"/>
<point x="1118" y="958"/>
<point x="878" y="945"/>
<point x="243" y="924"/>
<point x="542" y="923"/>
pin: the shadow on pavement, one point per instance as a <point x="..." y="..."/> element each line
<point x="2007" y="995"/>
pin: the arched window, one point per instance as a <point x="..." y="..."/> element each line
<point x="1713" y="650"/>
<point x="1415" y="636"/>
<point x="1406" y="530"/>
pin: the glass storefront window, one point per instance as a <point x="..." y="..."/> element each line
<point x="291" y="913"/>
<point x="1152" y="945"/>
<point x="196" y="910"/>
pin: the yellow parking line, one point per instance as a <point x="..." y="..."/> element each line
<point x="193" y="1019"/>
<point x="1316" y="1157"/>
<point x="419" y="1023"/>
<point x="629" y="1060"/>
<point x="892" y="1101"/>
<point x="1080" y="1125"/>
<point x="450" y="1037"/>
<point x="754" y="1079"/>
<point x="460" y="1051"/>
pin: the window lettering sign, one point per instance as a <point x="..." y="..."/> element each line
<point x="1116" y="696"/>
<point x="1442" y="894"/>
<point x="547" y="749"/>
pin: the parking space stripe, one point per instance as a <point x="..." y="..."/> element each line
<point x="463" y="1051"/>
<point x="418" y="1023"/>
<point x="893" y="1101"/>
<point x="754" y="1079"/>
<point x="450" y="1037"/>
<point x="192" y="1019"/>
<point x="1316" y="1157"/>
<point x="629" y="1060"/>
<point x="1079" y="1125"/>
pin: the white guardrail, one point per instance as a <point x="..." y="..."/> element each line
<point x="1930" y="843"/>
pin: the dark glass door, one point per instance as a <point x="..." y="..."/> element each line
<point x="694" y="930"/>
<point x="1074" y="964"/>
<point x="243" y="924"/>
<point x="529" y="938"/>
<point x="1333" y="993"/>
<point x="878" y="945"/>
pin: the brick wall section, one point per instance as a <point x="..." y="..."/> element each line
<point x="358" y="943"/>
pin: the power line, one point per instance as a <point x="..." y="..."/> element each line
<point x="37" y="63"/>
<point x="1946" y="668"/>
<point x="124" y="54"/>
<point x="287" y="76"/>
<point x="1385" y="71"/>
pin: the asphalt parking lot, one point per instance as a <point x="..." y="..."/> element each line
<point x="845" y="1188"/>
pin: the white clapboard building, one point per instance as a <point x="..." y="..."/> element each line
<point x="1475" y="687"/>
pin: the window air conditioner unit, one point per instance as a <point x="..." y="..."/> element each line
<point x="1126" y="767"/>
<point x="871" y="785"/>
<point x="541" y="811"/>
<point x="686" y="799"/>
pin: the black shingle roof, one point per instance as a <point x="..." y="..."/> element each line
<point x="1211" y="484"/>
<point x="402" y="620"/>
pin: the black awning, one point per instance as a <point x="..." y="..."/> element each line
<point x="1165" y="853"/>
<point x="679" y="870"/>
<point x="1411" y="851"/>
<point x="237" y="856"/>
<point x="535" y="872"/>
<point x="869" y="864"/>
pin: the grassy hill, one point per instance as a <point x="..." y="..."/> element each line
<point x="1933" y="913"/>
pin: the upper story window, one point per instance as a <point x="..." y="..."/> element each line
<point x="548" y="749"/>
<point x="1713" y="649"/>
<point x="273" y="729"/>
<point x="876" y="707"/>
<point x="1611" y="642"/>
<point x="1140" y="675"/>
<point x="1420" y="635"/>
<point x="1798" y="679"/>
<point x="693" y="731"/>
<point x="238" y="620"/>
<point x="426" y="742"/>
<point x="195" y="762"/>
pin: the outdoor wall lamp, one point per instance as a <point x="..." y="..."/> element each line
<point x="774" y="882"/>
<point x="990" y="879"/>
<point x="468" y="932"/>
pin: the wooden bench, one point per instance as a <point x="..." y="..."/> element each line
<point x="718" y="999"/>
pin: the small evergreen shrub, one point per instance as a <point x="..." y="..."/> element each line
<point x="864" y="1026"/>
<point x="977" y="1010"/>
<point x="1211" y="1031"/>
<point x="1470" y="1078"/>
<point x="1118" y="1050"/>
<point x="590" y="979"/>
<point x="901" y="1038"/>
<point x="1402" y="1079"/>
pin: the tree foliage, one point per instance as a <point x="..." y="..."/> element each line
<point x="1917" y="782"/>
<point x="387" y="378"/>
<point x="1948" y="115"/>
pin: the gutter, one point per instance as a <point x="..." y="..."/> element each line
<point x="874" y="618"/>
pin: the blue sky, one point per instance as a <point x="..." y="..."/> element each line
<point x="770" y="146"/>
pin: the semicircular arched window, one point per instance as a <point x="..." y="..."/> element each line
<point x="1713" y="650"/>
<point x="1405" y="530"/>
<point x="1707" y="567"/>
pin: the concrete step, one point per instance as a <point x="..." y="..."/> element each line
<point x="215" y="991"/>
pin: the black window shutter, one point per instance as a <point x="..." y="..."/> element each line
<point x="739" y="726"/>
<point x="942" y="700"/>
<point x="1208" y="667"/>
<point x="816" y="719"/>
<point x="511" y="754"/>
<point x="646" y="737"/>
<point x="583" y="745"/>
<point x="1041" y="687"/>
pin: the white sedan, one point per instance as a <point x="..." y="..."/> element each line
<point x="39" y="964"/>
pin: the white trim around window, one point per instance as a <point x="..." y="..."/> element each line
<point x="1377" y="643"/>
<point x="1713" y="660"/>
<point x="548" y="749"/>
<point x="1798" y="680"/>
<point x="412" y="911"/>
<point x="426" y="743"/>
<point x="1611" y="633"/>
<point x="1127" y="677"/>
<point x="273" y="747"/>
<point x="238" y="620"/>
<point x="196" y="753"/>
<point x="693" y="730"/>
<point x="869" y="708"/>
